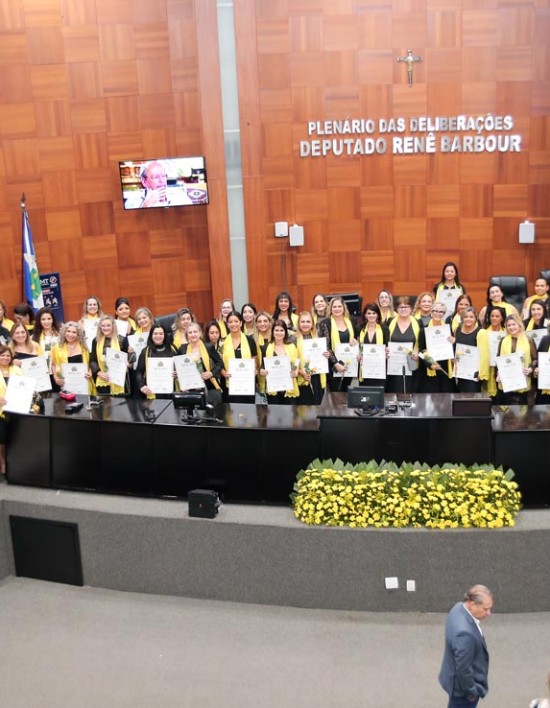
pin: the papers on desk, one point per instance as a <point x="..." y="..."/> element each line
<point x="373" y="365"/>
<point x="19" y="393"/>
<point x="75" y="379"/>
<point x="510" y="371"/>
<point x="36" y="368"/>
<point x="347" y="353"/>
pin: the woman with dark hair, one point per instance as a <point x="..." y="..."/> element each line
<point x="455" y="320"/>
<point x="541" y="293"/>
<point x="373" y="331"/>
<point x="495" y="332"/>
<point x="450" y="281"/>
<point x="124" y="323"/>
<point x="226" y="307"/>
<point x="470" y="334"/>
<point x="516" y="341"/>
<point x="248" y="313"/>
<point x="237" y="345"/>
<point x="183" y="319"/>
<point x="213" y="335"/>
<point x="405" y="331"/>
<point x="495" y="296"/>
<point x="107" y="338"/>
<point x="338" y="328"/>
<point x="158" y="347"/>
<point x="25" y="314"/>
<point x="205" y="356"/>
<point x="537" y="318"/>
<point x="7" y="369"/>
<point x="46" y="329"/>
<point x="284" y="310"/>
<point x="281" y="346"/>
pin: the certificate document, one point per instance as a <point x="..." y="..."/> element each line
<point x="278" y="373"/>
<point x="437" y="342"/>
<point x="75" y="379"/>
<point x="510" y="371"/>
<point x="188" y="373"/>
<point x="122" y="327"/>
<point x="19" y="392"/>
<point x="398" y="358"/>
<point x="137" y="342"/>
<point x="466" y="362"/>
<point x="536" y="335"/>
<point x="449" y="298"/>
<point x="242" y="379"/>
<point x="90" y="331"/>
<point x="374" y="361"/>
<point x="159" y="374"/>
<point x="117" y="366"/>
<point x="494" y="341"/>
<point x="313" y="351"/>
<point x="544" y="371"/>
<point x="348" y="354"/>
<point x="36" y="368"/>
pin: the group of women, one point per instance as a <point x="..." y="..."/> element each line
<point x="249" y="333"/>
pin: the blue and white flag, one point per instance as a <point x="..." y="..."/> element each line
<point x="32" y="290"/>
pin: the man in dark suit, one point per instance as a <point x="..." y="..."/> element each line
<point x="465" y="662"/>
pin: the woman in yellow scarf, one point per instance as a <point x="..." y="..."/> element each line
<point x="280" y="346"/>
<point x="71" y="349"/>
<point x="372" y="332"/>
<point x="407" y="331"/>
<point x="470" y="334"/>
<point x="208" y="361"/>
<point x="158" y="347"/>
<point x="516" y="341"/>
<point x="237" y="345"/>
<point x="338" y="329"/>
<point x="495" y="332"/>
<point x="310" y="383"/>
<point x="7" y="369"/>
<point x="183" y="319"/>
<point x="543" y="395"/>
<point x="436" y="376"/>
<point x="495" y="296"/>
<point x="107" y="338"/>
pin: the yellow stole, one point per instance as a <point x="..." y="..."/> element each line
<point x="430" y="371"/>
<point x="301" y="380"/>
<point x="228" y="352"/>
<point x="292" y="353"/>
<point x="378" y="335"/>
<point x="205" y="358"/>
<point x="12" y="371"/>
<point x="335" y="332"/>
<point x="531" y="324"/>
<point x="441" y="288"/>
<point x="115" y="344"/>
<point x="223" y="328"/>
<point x="415" y="327"/>
<point x="506" y="306"/>
<point x="522" y="347"/>
<point x="178" y="339"/>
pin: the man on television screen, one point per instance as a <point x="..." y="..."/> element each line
<point x="156" y="192"/>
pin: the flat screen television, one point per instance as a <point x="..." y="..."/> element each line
<point x="163" y="182"/>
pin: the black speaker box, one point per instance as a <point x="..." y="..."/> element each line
<point x="203" y="503"/>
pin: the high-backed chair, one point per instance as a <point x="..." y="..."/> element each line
<point x="545" y="274"/>
<point x="166" y="320"/>
<point x="514" y="288"/>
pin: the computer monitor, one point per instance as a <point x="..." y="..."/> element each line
<point x="366" y="398"/>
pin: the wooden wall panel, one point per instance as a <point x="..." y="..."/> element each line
<point x="86" y="84"/>
<point x="411" y="212"/>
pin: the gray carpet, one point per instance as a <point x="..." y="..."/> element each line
<point x="86" y="647"/>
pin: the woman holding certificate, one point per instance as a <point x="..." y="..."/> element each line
<point x="495" y="332"/>
<point x="109" y="359"/>
<point x="239" y="354"/>
<point x="155" y="370"/>
<point x="71" y="349"/>
<point x="280" y="366"/>
<point x="91" y="313"/>
<point x="373" y="338"/>
<point x="514" y="373"/>
<point x="471" y="353"/>
<point x="449" y="288"/>
<point x="342" y="344"/>
<point x="542" y="371"/>
<point x="206" y="359"/>
<point x="436" y="374"/>
<point x="313" y="359"/>
<point x="406" y="339"/>
<point x="7" y="369"/>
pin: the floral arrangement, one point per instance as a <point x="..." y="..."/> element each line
<point x="384" y="494"/>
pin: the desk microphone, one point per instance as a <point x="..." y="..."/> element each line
<point x="404" y="372"/>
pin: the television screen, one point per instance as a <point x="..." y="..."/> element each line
<point x="163" y="182"/>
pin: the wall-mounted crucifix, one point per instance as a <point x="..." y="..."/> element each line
<point x="410" y="60"/>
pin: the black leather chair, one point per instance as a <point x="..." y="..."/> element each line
<point x="166" y="321"/>
<point x="545" y="274"/>
<point x="514" y="288"/>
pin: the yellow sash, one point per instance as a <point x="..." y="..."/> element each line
<point x="441" y="288"/>
<point x="223" y="328"/>
<point x="378" y="335"/>
<point x="228" y="352"/>
<point x="522" y="347"/>
<point x="60" y="355"/>
<point x="302" y="360"/>
<point x="335" y="332"/>
<point x="415" y="327"/>
<point x="430" y="371"/>
<point x="292" y="353"/>
<point x="205" y="358"/>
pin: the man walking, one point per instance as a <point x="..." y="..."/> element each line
<point x="465" y="662"/>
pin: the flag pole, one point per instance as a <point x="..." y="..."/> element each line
<point x="32" y="289"/>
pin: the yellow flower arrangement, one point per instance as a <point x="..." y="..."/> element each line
<point x="383" y="495"/>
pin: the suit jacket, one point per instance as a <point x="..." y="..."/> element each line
<point x="465" y="662"/>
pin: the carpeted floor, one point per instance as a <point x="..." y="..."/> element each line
<point x="86" y="647"/>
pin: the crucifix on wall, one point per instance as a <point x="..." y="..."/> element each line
<point x="410" y="60"/>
